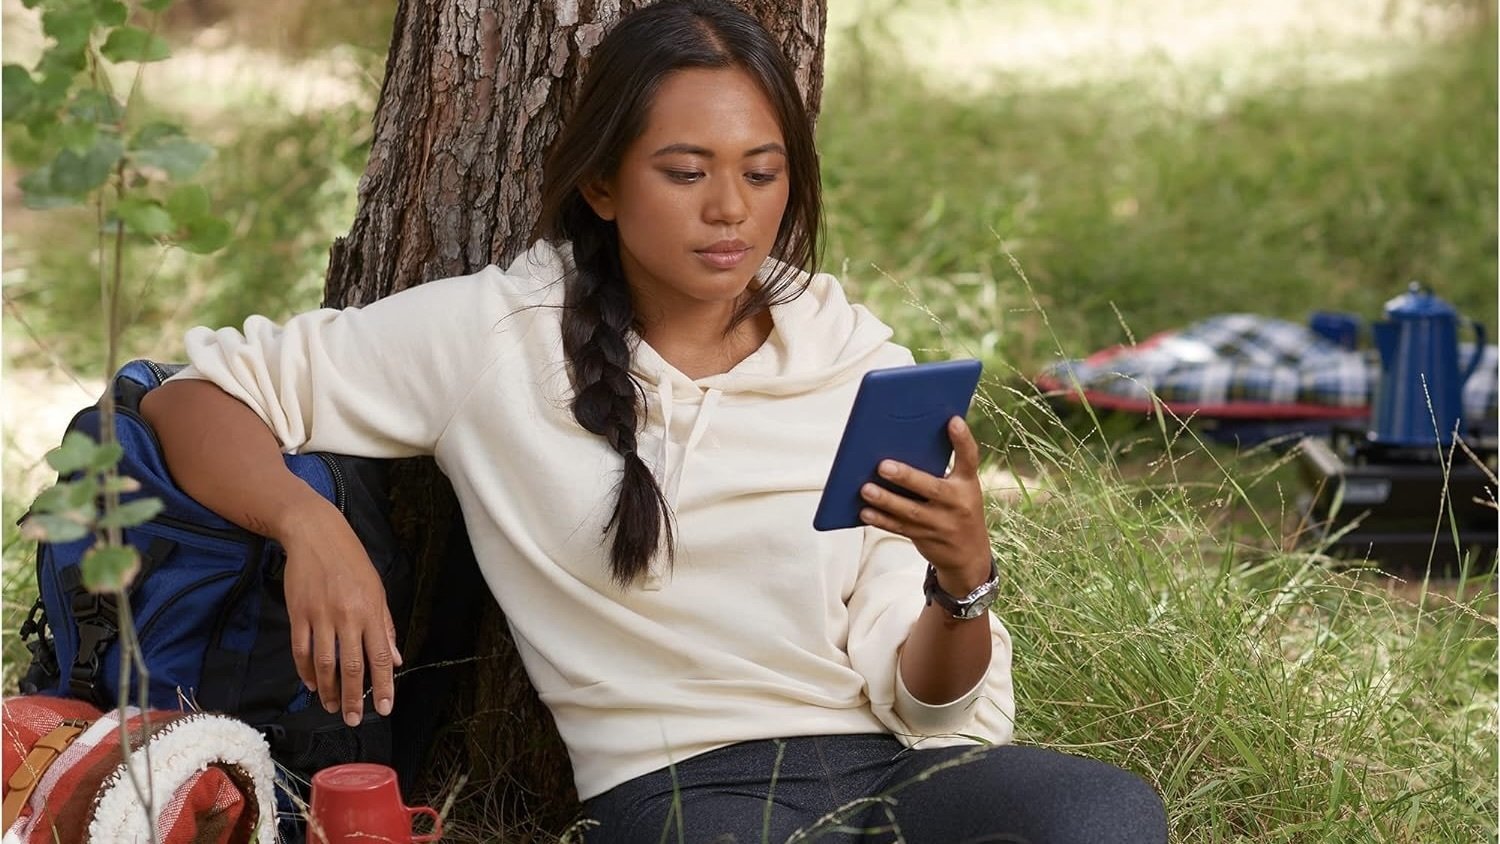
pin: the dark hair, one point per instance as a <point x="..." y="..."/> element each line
<point x="599" y="324"/>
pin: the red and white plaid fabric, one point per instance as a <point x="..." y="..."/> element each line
<point x="210" y="777"/>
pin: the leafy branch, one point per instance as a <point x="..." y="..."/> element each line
<point x="87" y="148"/>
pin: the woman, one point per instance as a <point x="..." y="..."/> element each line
<point x="637" y="417"/>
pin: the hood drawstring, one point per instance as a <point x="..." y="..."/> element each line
<point x="668" y="475"/>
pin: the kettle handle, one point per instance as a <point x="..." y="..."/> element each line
<point x="1478" y="352"/>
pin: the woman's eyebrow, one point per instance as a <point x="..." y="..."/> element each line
<point x="691" y="149"/>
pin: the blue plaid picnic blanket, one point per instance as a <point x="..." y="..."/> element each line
<point x="1250" y="366"/>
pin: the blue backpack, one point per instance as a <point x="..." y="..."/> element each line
<point x="208" y="606"/>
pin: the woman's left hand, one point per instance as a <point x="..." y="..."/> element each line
<point x="948" y="528"/>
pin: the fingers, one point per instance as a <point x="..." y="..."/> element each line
<point x="897" y="513"/>
<point x="965" y="449"/>
<point x="326" y="665"/>
<point x="352" y="674"/>
<point x="383" y="665"/>
<point x="302" y="655"/>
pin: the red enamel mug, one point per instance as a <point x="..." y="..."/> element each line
<point x="360" y="803"/>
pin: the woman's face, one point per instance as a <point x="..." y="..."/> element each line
<point x="698" y="197"/>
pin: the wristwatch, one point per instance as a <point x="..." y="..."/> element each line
<point x="972" y="605"/>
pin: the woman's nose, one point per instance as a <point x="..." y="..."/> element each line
<point x="727" y="202"/>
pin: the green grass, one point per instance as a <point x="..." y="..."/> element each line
<point x="1268" y="695"/>
<point x="1122" y="205"/>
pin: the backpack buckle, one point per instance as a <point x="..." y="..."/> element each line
<point x="36" y="620"/>
<point x="98" y="619"/>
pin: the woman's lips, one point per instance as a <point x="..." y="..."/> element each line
<point x="725" y="260"/>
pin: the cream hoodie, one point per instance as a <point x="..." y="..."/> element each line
<point x="762" y="628"/>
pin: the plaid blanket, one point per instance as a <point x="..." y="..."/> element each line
<point x="210" y="776"/>
<point x="1248" y="367"/>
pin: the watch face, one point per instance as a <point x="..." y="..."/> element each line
<point x="979" y="605"/>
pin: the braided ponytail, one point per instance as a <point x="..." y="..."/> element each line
<point x="596" y="322"/>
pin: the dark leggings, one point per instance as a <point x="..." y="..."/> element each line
<point x="869" y="788"/>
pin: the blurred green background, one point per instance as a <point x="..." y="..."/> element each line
<point x="1146" y="163"/>
<point x="1019" y="180"/>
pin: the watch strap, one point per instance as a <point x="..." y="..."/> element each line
<point x="969" y="606"/>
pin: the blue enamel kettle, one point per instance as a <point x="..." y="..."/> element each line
<point x="1418" y="346"/>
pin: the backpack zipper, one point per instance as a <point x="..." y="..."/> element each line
<point x="161" y="374"/>
<point x="340" y="488"/>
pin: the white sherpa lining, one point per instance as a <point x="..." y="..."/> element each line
<point x="184" y="748"/>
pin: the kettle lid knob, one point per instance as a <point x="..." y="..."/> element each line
<point x="1418" y="302"/>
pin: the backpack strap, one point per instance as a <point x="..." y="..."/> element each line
<point x="97" y="617"/>
<point x="41" y="756"/>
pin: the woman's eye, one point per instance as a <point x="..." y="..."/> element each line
<point x="761" y="177"/>
<point x="684" y="176"/>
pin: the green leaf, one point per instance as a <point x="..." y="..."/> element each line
<point x="155" y="5"/>
<point x="132" y="513"/>
<point x="206" y="235"/>
<point x="57" y="69"/>
<point x="76" y="136"/>
<point x="110" y="12"/>
<point x="96" y="106"/>
<point x="75" y="452"/>
<point x="75" y="174"/>
<point x="38" y="194"/>
<point x="178" y="156"/>
<point x="188" y="204"/>
<point x="154" y="133"/>
<point x="145" y="216"/>
<point x="81" y="495"/>
<point x="133" y="44"/>
<point x="109" y="569"/>
<point x="106" y="455"/>
<point x="18" y="90"/>
<point x="51" y="499"/>
<point x="50" y="527"/>
<point x="69" y="26"/>
<point x="121" y="483"/>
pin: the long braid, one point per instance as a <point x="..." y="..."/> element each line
<point x="596" y="323"/>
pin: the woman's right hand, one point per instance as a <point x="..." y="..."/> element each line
<point x="341" y="624"/>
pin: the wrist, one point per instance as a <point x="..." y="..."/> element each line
<point x="302" y="515"/>
<point x="964" y="604"/>
<point x="962" y="581"/>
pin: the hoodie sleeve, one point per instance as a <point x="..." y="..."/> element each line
<point x="378" y="381"/>
<point x="886" y="601"/>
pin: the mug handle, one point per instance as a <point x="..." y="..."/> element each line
<point x="1478" y="352"/>
<point x="437" y="823"/>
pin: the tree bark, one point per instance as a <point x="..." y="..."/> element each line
<point x="474" y="92"/>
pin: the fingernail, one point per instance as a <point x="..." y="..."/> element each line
<point x="331" y="707"/>
<point x="383" y="706"/>
<point x="887" y="468"/>
<point x="311" y="686"/>
<point x="352" y="719"/>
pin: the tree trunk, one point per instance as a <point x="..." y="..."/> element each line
<point x="474" y="93"/>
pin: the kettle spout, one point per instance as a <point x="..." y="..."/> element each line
<point x="1386" y="336"/>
